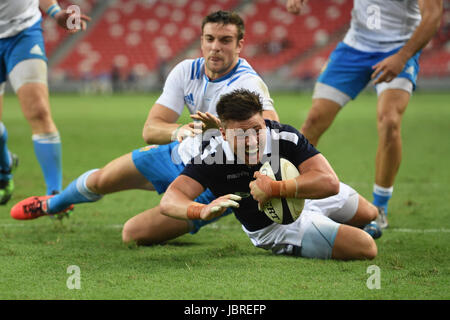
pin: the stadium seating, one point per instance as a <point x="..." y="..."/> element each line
<point x="54" y="35"/>
<point x="136" y="36"/>
<point x="275" y="37"/>
<point x="139" y="35"/>
<point x="310" y="67"/>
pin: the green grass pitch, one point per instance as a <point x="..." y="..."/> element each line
<point x="220" y="262"/>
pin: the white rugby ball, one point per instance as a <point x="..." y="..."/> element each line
<point x="282" y="210"/>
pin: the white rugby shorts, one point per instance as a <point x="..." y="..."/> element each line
<point x="312" y="234"/>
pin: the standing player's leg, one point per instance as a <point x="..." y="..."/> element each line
<point x="391" y="105"/>
<point x="346" y="73"/>
<point x="29" y="80"/>
<point x="319" y="119"/>
<point x="393" y="99"/>
<point x="7" y="160"/>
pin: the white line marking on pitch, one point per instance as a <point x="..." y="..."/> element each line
<point x="215" y="226"/>
<point x="420" y="230"/>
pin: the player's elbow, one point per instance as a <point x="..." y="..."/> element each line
<point x="165" y="206"/>
<point x="147" y="135"/>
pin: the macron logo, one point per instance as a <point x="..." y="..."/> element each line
<point x="37" y="50"/>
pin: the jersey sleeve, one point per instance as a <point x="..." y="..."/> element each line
<point x="172" y="96"/>
<point x="292" y="144"/>
<point x="198" y="172"/>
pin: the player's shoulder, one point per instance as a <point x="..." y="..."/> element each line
<point x="245" y="76"/>
<point x="280" y="127"/>
<point x="191" y="68"/>
<point x="284" y="132"/>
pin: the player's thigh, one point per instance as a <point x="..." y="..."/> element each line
<point x="118" y="175"/>
<point x="320" y="117"/>
<point x="318" y="235"/>
<point x="29" y="80"/>
<point x="152" y="227"/>
<point x="35" y="106"/>
<point x="365" y="213"/>
<point x="352" y="243"/>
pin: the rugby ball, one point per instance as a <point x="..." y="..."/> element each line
<point x="282" y="210"/>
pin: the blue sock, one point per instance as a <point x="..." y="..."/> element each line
<point x="5" y="157"/>
<point x="381" y="196"/>
<point x="76" y="192"/>
<point x="47" y="147"/>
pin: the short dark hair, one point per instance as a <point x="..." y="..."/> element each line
<point x="226" y="17"/>
<point x="238" y="105"/>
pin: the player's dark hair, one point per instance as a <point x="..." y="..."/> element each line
<point x="238" y="105"/>
<point x="226" y="17"/>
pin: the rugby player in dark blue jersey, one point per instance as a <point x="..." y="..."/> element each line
<point x="228" y="166"/>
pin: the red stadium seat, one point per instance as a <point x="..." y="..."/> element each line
<point x="137" y="35"/>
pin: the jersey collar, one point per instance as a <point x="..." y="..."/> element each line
<point x="227" y="76"/>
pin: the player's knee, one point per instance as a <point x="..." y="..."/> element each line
<point x="309" y="131"/>
<point x="129" y="232"/>
<point x="372" y="213"/>
<point x="98" y="182"/>
<point x="368" y="247"/>
<point x="38" y="111"/>
<point x="389" y="124"/>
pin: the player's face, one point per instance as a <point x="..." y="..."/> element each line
<point x="247" y="138"/>
<point x="220" y="48"/>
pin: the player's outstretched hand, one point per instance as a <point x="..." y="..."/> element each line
<point x="261" y="189"/>
<point x="209" y="120"/>
<point x="388" y="69"/>
<point x="69" y="20"/>
<point x="219" y="206"/>
<point x="295" y="6"/>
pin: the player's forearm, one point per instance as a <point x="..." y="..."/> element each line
<point x="174" y="204"/>
<point x="157" y="132"/>
<point x="431" y="19"/>
<point x="312" y="185"/>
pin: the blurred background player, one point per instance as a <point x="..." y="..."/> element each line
<point x="324" y="230"/>
<point x="383" y="44"/>
<point x="196" y="83"/>
<point x="24" y="63"/>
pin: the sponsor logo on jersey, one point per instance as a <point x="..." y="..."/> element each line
<point x="238" y="175"/>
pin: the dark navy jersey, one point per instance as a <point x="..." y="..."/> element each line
<point x="219" y="169"/>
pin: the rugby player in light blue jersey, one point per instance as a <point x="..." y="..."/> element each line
<point x="23" y="62"/>
<point x="383" y="44"/>
<point x="194" y="83"/>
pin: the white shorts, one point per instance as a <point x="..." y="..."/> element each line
<point x="28" y="71"/>
<point x="312" y="235"/>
